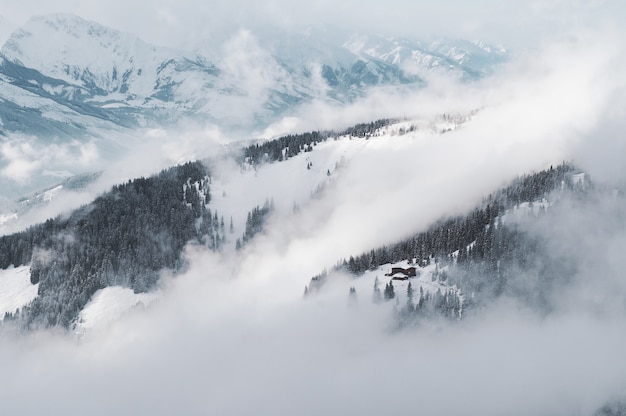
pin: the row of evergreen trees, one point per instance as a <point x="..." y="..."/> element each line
<point x="294" y="144"/>
<point x="283" y="147"/>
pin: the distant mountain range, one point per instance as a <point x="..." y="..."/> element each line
<point x="64" y="76"/>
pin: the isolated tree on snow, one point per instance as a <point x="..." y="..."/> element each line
<point x="409" y="296"/>
<point x="376" y="297"/>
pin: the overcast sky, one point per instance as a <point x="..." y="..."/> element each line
<point x="194" y="22"/>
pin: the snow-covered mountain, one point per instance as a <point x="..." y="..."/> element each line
<point x="97" y="72"/>
<point x="103" y="73"/>
<point x="118" y="77"/>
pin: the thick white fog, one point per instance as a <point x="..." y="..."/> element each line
<point x="232" y="335"/>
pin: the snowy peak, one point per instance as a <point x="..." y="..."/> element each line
<point x="68" y="38"/>
<point x="474" y="55"/>
<point x="468" y="59"/>
<point x="81" y="52"/>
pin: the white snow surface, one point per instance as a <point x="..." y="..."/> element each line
<point x="108" y="305"/>
<point x="16" y="290"/>
<point x="525" y="209"/>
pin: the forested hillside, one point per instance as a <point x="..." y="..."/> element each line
<point x="124" y="237"/>
<point x="490" y="251"/>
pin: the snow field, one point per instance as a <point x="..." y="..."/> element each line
<point x="16" y="290"/>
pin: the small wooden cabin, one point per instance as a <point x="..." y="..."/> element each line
<point x="400" y="273"/>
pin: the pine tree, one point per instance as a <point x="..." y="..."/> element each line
<point x="409" y="295"/>
<point x="376" y="297"/>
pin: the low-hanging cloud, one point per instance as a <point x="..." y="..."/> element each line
<point x="216" y="345"/>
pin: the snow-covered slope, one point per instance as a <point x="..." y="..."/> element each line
<point x="16" y="290"/>
<point x="109" y="304"/>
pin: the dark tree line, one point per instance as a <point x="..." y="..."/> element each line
<point x="124" y="237"/>
<point x="283" y="147"/>
<point x="367" y="129"/>
<point x="294" y="144"/>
